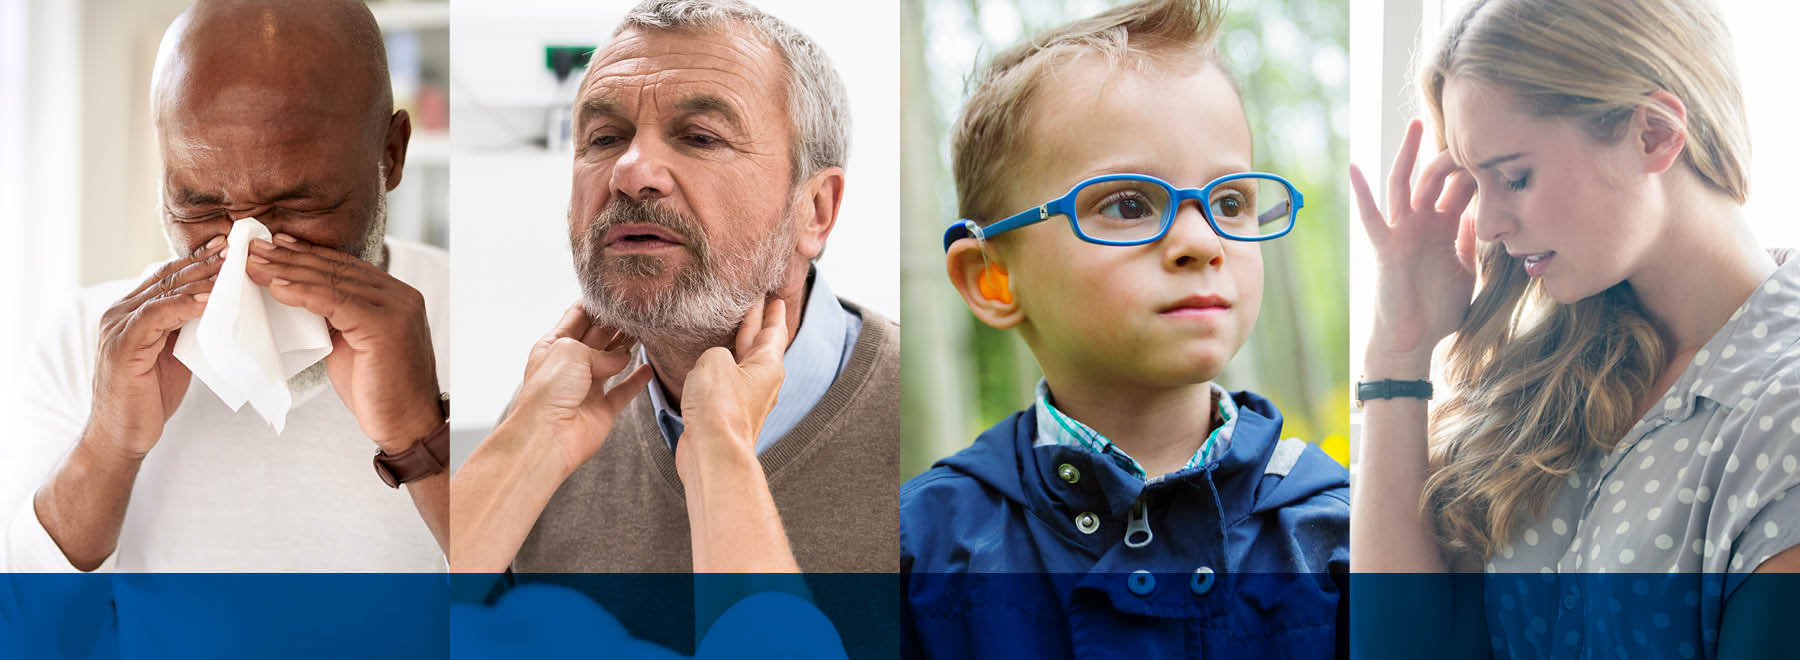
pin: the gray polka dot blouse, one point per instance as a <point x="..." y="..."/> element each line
<point x="1697" y="494"/>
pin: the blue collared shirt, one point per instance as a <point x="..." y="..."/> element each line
<point x="1056" y="428"/>
<point x="813" y="361"/>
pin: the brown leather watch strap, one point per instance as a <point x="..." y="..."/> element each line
<point x="426" y="457"/>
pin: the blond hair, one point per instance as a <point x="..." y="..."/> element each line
<point x="1539" y="386"/>
<point x="988" y="139"/>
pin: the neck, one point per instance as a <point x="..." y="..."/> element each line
<point x="1161" y="427"/>
<point x="1701" y="271"/>
<point x="672" y="360"/>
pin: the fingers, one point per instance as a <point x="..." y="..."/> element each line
<point x="1400" y="177"/>
<point x="268" y="262"/>
<point x="573" y="324"/>
<point x="1465" y="242"/>
<point x="352" y="295"/>
<point x="603" y="338"/>
<point x="151" y="324"/>
<point x="1373" y="223"/>
<point x="288" y="242"/>
<point x="770" y="341"/>
<point x="1431" y="181"/>
<point x="621" y="395"/>
<point x="1457" y="194"/>
<point x="168" y="272"/>
<point x="177" y="273"/>
<point x="748" y="329"/>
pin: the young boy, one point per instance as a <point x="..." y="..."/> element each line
<point x="1137" y="509"/>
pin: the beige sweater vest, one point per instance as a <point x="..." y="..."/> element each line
<point x="834" y="477"/>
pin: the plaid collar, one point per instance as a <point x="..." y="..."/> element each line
<point x="1055" y="428"/>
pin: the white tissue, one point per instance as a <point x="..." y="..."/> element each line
<point x="245" y="345"/>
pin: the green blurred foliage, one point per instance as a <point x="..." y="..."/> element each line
<point x="1290" y="60"/>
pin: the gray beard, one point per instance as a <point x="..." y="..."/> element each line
<point x="705" y="303"/>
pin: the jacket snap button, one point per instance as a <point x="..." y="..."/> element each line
<point x="1068" y="473"/>
<point x="1141" y="582"/>
<point x="1087" y="522"/>
<point x="1202" y="581"/>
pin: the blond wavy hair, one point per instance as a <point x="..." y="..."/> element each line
<point x="988" y="141"/>
<point x="1540" y="386"/>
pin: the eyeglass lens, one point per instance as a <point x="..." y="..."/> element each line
<point x="1134" y="210"/>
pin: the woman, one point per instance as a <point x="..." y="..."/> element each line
<point x="1624" y="383"/>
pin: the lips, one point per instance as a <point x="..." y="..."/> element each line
<point x="1197" y="305"/>
<point x="639" y="236"/>
<point x="1535" y="262"/>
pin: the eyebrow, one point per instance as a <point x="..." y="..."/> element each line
<point x="592" y="108"/>
<point x="1498" y="160"/>
<point x="187" y="197"/>
<point x="708" y="104"/>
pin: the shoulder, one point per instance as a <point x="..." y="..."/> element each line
<point x="427" y="270"/>
<point x="885" y="329"/>
<point x="980" y="472"/>
<point x="878" y="341"/>
<point x="936" y="488"/>
<point x="425" y="267"/>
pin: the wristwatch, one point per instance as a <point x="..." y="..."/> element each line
<point x="1392" y="389"/>
<point x="425" y="458"/>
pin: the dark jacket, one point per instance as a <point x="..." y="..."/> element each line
<point x="1246" y="556"/>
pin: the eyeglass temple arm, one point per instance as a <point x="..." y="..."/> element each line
<point x="966" y="228"/>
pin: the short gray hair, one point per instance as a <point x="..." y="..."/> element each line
<point x="818" y="105"/>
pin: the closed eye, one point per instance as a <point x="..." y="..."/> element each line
<point x="1519" y="183"/>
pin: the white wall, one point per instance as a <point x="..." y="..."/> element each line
<point x="513" y="273"/>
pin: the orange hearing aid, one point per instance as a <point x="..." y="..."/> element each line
<point x="994" y="285"/>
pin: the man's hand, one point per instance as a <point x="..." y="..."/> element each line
<point x="732" y="519"/>
<point x="563" y="396"/>
<point x="137" y="381"/>
<point x="381" y="362"/>
<point x="724" y="400"/>
<point x="559" y="418"/>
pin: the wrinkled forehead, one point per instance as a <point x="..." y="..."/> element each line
<point x="1480" y="119"/>
<point x="654" y="70"/>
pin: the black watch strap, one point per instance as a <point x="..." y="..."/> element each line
<point x="1392" y="389"/>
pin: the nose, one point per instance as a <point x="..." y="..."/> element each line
<point x="1191" y="241"/>
<point x="263" y="214"/>
<point x="642" y="173"/>
<point x="1492" y="221"/>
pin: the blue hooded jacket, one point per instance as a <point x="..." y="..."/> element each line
<point x="1010" y="550"/>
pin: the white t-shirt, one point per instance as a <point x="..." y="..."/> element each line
<point x="220" y="491"/>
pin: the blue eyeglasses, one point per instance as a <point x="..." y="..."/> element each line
<point x="1134" y="209"/>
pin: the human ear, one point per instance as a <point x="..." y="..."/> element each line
<point x="393" y="149"/>
<point x="984" y="284"/>
<point x="1660" y="130"/>
<point x="816" y="211"/>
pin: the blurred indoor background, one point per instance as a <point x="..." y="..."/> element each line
<point x="79" y="167"/>
<point x="1290" y="60"/>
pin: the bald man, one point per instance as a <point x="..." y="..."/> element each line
<point x="282" y="113"/>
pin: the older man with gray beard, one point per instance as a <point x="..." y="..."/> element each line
<point x="708" y="405"/>
<point x="281" y="113"/>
